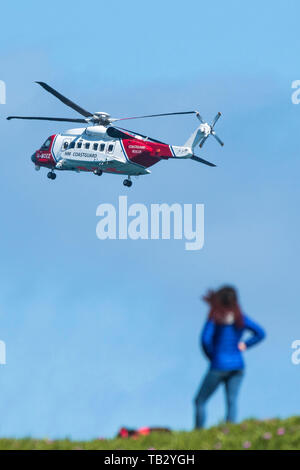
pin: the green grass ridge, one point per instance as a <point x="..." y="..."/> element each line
<point x="252" y="434"/>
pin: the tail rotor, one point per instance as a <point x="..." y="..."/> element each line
<point x="209" y="129"/>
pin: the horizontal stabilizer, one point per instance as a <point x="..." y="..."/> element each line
<point x="201" y="160"/>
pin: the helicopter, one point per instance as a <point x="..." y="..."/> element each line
<point x="102" y="147"/>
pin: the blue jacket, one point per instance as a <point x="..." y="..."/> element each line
<point x="220" y="343"/>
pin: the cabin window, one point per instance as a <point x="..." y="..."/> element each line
<point x="72" y="145"/>
<point x="102" y="147"/>
<point x="110" y="148"/>
<point x="87" y="145"/>
<point x="95" y="147"/>
<point x="46" y="145"/>
<point x="79" y="145"/>
<point x="65" y="145"/>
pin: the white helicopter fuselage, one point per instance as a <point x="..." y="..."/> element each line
<point x="91" y="149"/>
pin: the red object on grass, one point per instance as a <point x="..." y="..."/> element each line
<point x="124" y="433"/>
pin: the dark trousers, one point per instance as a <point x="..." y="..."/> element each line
<point x="231" y="379"/>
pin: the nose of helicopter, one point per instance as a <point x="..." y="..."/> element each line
<point x="33" y="157"/>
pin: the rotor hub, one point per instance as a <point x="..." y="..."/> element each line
<point x="101" y="117"/>
<point x="206" y="129"/>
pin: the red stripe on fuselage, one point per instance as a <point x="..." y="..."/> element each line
<point x="145" y="153"/>
<point x="44" y="157"/>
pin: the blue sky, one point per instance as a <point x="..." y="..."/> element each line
<point x="102" y="334"/>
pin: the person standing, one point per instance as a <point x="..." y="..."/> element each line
<point x="223" y="345"/>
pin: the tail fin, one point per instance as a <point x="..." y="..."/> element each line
<point x="202" y="132"/>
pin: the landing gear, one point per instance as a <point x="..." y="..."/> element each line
<point x="51" y="175"/>
<point x="98" y="172"/>
<point x="127" y="182"/>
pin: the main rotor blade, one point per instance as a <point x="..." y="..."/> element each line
<point x="65" y="100"/>
<point x="47" y="119"/>
<point x="201" y="160"/>
<point x="156" y="115"/>
<point x="142" y="135"/>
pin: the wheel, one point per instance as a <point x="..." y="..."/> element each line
<point x="51" y="175"/>
<point x="98" y="172"/>
<point x="127" y="183"/>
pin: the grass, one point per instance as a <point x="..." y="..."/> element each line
<point x="251" y="434"/>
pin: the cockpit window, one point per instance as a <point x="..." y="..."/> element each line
<point x="46" y="145"/>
